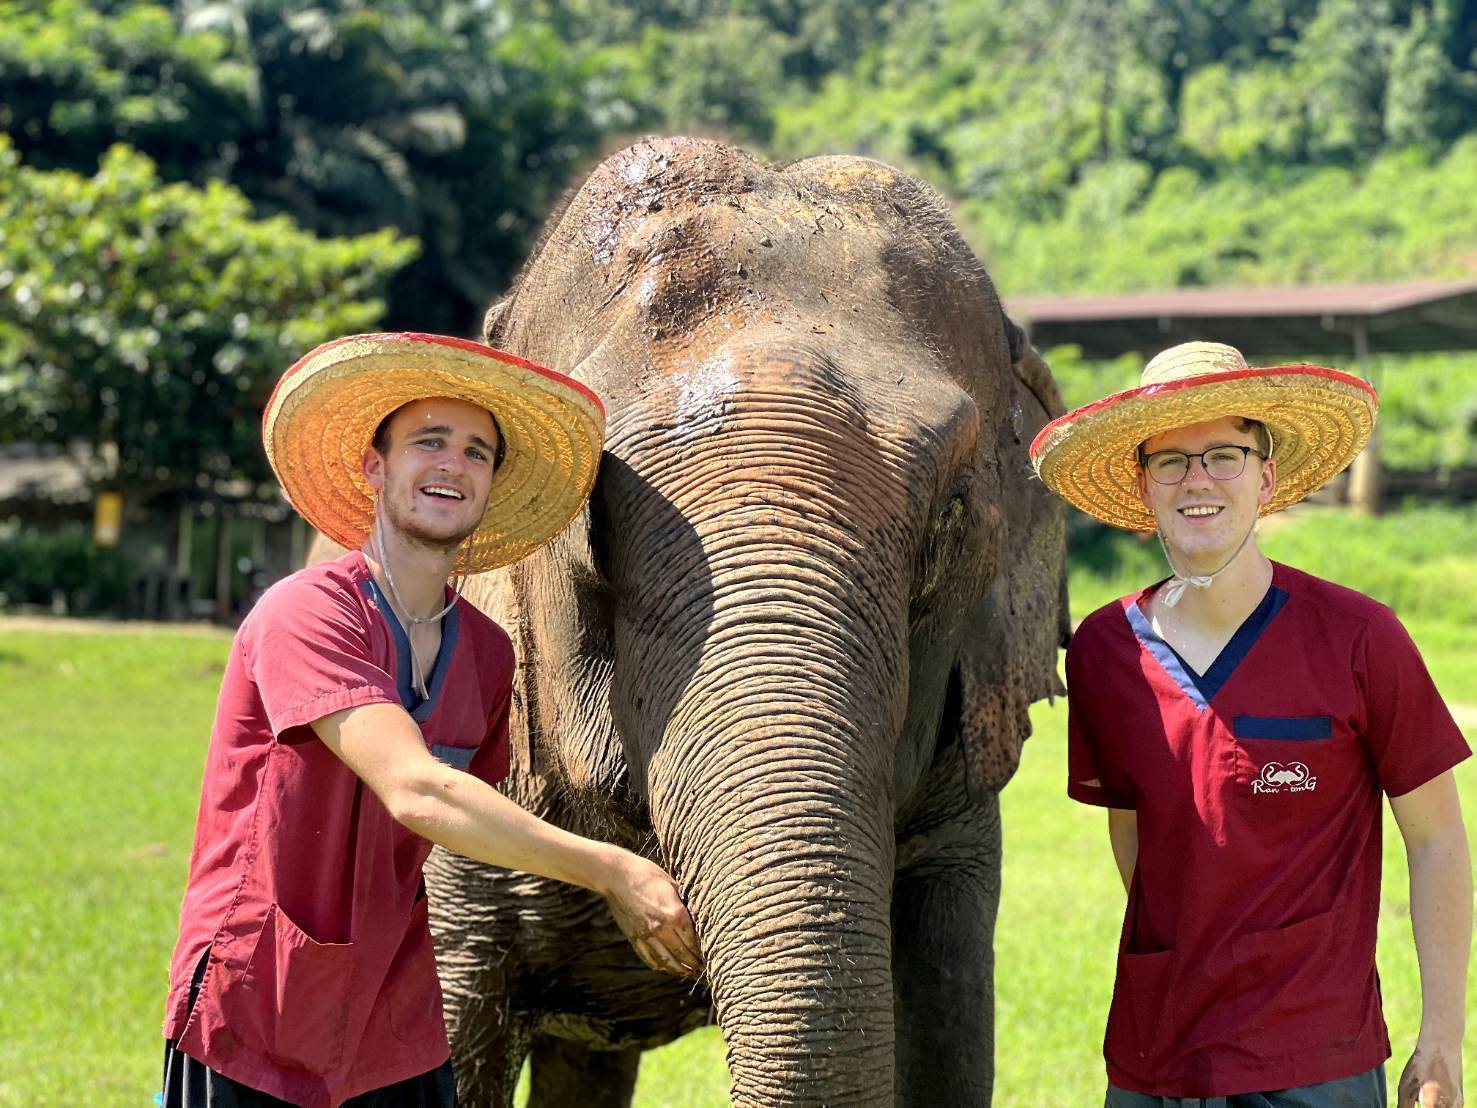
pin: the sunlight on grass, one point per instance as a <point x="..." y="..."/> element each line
<point x="101" y="756"/>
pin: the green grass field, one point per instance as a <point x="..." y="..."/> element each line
<point x="100" y="760"/>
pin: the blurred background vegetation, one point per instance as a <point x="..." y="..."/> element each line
<point x="193" y="193"/>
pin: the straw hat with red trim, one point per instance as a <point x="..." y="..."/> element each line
<point x="1319" y="419"/>
<point x="324" y="412"/>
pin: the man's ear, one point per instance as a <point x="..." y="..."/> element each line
<point x="374" y="469"/>
<point x="1268" y="487"/>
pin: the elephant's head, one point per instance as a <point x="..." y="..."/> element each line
<point x="815" y="573"/>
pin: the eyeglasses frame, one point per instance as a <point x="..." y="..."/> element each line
<point x="1246" y="451"/>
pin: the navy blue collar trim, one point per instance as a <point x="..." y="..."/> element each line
<point x="1201" y="688"/>
<point x="420" y="710"/>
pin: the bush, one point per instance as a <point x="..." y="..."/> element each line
<point x="61" y="571"/>
<point x="1418" y="560"/>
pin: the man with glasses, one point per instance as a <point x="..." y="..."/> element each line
<point x="1240" y="721"/>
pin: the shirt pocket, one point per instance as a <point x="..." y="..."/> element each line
<point x="1281" y="756"/>
<point x="457" y="757"/>
<point x="1140" y="1018"/>
<point x="1290" y="993"/>
<point x="1283" y="728"/>
<point x="296" y="996"/>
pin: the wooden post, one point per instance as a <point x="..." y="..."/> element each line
<point x="223" y="565"/>
<point x="1365" y="481"/>
<point x="184" y="546"/>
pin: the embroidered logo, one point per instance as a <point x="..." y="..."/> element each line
<point x="1292" y="777"/>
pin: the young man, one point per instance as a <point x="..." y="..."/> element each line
<point x="1240" y="721"/>
<point x="363" y="716"/>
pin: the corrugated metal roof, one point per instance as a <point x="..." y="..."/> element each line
<point x="29" y="472"/>
<point x="1406" y="317"/>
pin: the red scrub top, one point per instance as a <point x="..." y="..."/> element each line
<point x="321" y="979"/>
<point x="1247" y="959"/>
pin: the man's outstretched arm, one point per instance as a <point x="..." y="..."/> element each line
<point x="1430" y="821"/>
<point x="383" y="745"/>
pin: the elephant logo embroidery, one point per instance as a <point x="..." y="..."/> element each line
<point x="1293" y="777"/>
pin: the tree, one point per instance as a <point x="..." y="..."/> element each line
<point x="150" y="320"/>
<point x="449" y="121"/>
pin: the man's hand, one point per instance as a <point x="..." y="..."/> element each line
<point x="1432" y="1079"/>
<point x="383" y="745"/>
<point x="650" y="912"/>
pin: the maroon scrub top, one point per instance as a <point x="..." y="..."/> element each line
<point x="303" y="891"/>
<point x="1247" y="959"/>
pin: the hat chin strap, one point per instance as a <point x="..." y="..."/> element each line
<point x="1175" y="587"/>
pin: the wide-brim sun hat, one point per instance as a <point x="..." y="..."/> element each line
<point x="1319" y="419"/>
<point x="324" y="411"/>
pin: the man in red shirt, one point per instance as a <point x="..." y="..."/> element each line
<point x="1240" y="722"/>
<point x="363" y="716"/>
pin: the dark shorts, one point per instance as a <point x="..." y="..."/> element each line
<point x="192" y="1084"/>
<point x="1363" y="1090"/>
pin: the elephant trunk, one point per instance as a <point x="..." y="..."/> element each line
<point x="774" y="806"/>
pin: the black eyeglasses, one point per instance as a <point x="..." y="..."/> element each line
<point x="1223" y="463"/>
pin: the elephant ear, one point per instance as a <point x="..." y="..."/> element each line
<point x="492" y="322"/>
<point x="1008" y="657"/>
<point x="501" y="595"/>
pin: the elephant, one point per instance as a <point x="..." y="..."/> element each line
<point x="787" y="649"/>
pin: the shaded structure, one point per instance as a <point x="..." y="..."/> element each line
<point x="1330" y="322"/>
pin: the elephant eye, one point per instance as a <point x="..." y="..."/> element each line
<point x="598" y="514"/>
<point x="940" y="552"/>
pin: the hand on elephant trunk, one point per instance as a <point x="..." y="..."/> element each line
<point x="383" y="745"/>
<point x="649" y="911"/>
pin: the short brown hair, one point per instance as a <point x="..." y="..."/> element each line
<point x="1258" y="430"/>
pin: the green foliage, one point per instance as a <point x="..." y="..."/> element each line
<point x="151" y="320"/>
<point x="76" y="77"/>
<point x="63" y="569"/>
<point x="1400" y="215"/>
<point x="1417" y="560"/>
<point x="453" y="122"/>
<point x="1428" y="411"/>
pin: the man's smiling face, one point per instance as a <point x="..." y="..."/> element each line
<point x="435" y="470"/>
<point x="1201" y="518"/>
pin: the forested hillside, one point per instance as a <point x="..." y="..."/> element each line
<point x="1089" y="145"/>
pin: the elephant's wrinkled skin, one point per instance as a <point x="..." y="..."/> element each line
<point x="787" y="650"/>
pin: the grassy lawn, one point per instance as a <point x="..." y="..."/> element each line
<point x="100" y="760"/>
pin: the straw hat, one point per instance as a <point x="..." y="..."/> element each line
<point x="324" y="412"/>
<point x="1319" y="419"/>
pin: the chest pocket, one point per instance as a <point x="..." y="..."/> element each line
<point x="457" y="757"/>
<point x="1286" y="728"/>
<point x="1282" y="756"/>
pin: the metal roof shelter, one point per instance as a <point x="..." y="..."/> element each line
<point x="1330" y="322"/>
<point x="1272" y="322"/>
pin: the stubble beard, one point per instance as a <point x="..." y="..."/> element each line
<point x="410" y="531"/>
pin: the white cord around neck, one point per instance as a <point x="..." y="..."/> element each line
<point x="417" y="671"/>
<point x="1174" y="588"/>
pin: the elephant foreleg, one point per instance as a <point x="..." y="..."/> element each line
<point x="568" y="1073"/>
<point x="943" y="927"/>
